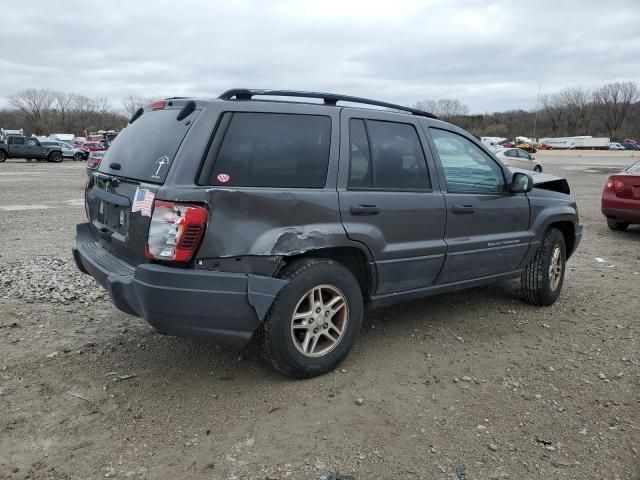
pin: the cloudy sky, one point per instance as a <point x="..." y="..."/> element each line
<point x="489" y="54"/>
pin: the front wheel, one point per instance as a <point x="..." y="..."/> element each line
<point x="55" y="157"/>
<point x="315" y="319"/>
<point x="543" y="277"/>
<point x="616" y="226"/>
<point x="77" y="157"/>
<point x="537" y="169"/>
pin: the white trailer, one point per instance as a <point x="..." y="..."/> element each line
<point x="591" y="143"/>
<point x="63" y="137"/>
<point x="578" y="143"/>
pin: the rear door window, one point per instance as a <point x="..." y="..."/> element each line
<point x="145" y="149"/>
<point x="386" y="155"/>
<point x="274" y="150"/>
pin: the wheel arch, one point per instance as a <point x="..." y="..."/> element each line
<point x="355" y="259"/>
<point x="568" y="230"/>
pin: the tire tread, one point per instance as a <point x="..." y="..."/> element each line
<point x="534" y="279"/>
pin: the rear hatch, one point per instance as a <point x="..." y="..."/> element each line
<point x="120" y="193"/>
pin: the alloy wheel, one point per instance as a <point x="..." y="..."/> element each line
<point x="319" y="321"/>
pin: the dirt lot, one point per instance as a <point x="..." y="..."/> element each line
<point x="474" y="385"/>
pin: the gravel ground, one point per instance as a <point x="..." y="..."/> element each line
<point x="472" y="385"/>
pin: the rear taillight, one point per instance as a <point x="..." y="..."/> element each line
<point x="609" y="184"/>
<point x="175" y="231"/>
<point x="615" y="184"/>
<point x="87" y="186"/>
<point x="94" y="162"/>
<point x="618" y="186"/>
<point x="159" y="105"/>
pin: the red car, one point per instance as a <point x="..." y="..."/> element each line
<point x="93" y="146"/>
<point x="621" y="198"/>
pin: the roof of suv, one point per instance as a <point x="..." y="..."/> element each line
<point x="328" y="98"/>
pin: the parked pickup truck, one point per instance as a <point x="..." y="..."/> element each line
<point x="17" y="146"/>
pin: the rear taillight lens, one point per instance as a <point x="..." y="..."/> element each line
<point x="94" y="162"/>
<point x="618" y="186"/>
<point x="615" y="185"/>
<point x="175" y="231"/>
<point x="609" y="184"/>
<point x="87" y="186"/>
<point x="159" y="105"/>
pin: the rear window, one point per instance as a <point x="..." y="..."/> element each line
<point x="145" y="148"/>
<point x="274" y="150"/>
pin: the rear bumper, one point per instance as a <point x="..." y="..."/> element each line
<point x="578" y="239"/>
<point x="223" y="307"/>
<point x="622" y="214"/>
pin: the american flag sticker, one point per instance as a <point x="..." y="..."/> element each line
<point x="143" y="202"/>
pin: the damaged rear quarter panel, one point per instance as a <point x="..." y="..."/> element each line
<point x="264" y="221"/>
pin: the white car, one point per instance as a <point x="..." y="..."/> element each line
<point x="518" y="158"/>
<point x="615" y="146"/>
<point x="68" y="150"/>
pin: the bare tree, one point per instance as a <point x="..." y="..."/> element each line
<point x="612" y="103"/>
<point x="35" y="104"/>
<point x="430" y="106"/>
<point x="575" y="103"/>
<point x="449" y="107"/>
<point x="62" y="105"/>
<point x="444" y="107"/>
<point x="553" y="107"/>
<point x="101" y="105"/>
<point x="131" y="103"/>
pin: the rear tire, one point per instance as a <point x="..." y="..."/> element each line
<point x="537" y="168"/>
<point x="3" y="156"/>
<point x="55" y="157"/>
<point x="318" y="312"/>
<point x="77" y="157"/>
<point x="543" y="278"/>
<point x="616" y="226"/>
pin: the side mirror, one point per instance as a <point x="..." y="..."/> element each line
<point x="521" y="183"/>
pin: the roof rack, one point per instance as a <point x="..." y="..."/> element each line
<point x="328" y="98"/>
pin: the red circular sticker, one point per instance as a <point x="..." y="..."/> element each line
<point x="223" y="178"/>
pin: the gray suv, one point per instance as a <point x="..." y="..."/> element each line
<point x="237" y="218"/>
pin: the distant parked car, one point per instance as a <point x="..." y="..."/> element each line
<point x="29" y="148"/>
<point x="515" y="157"/>
<point x="68" y="150"/>
<point x="621" y="198"/>
<point x="615" y="146"/>
<point x="93" y="146"/>
<point x="95" y="158"/>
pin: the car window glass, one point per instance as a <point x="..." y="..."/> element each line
<point x="274" y="150"/>
<point x="31" y="142"/>
<point x="394" y="160"/>
<point x="523" y="154"/>
<point x="360" y="172"/>
<point x="634" y="168"/>
<point x="18" y="140"/>
<point x="467" y="167"/>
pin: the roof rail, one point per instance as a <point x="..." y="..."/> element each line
<point x="328" y="98"/>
